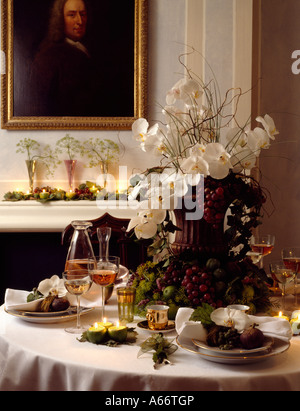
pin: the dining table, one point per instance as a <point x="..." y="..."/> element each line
<point x="39" y="355"/>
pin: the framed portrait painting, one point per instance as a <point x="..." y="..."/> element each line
<point x="73" y="64"/>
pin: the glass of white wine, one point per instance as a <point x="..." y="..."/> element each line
<point x="104" y="274"/>
<point x="77" y="282"/>
<point x="283" y="276"/>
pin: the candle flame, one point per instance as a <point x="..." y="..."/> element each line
<point x="280" y="314"/>
<point x="118" y="324"/>
<point x="104" y="320"/>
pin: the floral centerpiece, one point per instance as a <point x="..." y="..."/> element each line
<point x="205" y="157"/>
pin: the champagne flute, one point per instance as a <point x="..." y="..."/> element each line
<point x="77" y="282"/>
<point x="104" y="274"/>
<point x="282" y="275"/>
<point x="103" y="234"/>
<point x="262" y="246"/>
<point x="291" y="259"/>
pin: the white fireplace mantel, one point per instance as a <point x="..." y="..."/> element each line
<point x="32" y="216"/>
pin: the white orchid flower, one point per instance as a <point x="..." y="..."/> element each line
<point x="174" y="182"/>
<point x="141" y="130"/>
<point x="242" y="159"/>
<point x="191" y="92"/>
<point x="175" y="92"/>
<point x="53" y="285"/>
<point x="193" y="167"/>
<point x="228" y="317"/>
<point x="258" y="139"/>
<point x="198" y="149"/>
<point x="145" y="223"/>
<point x="235" y="138"/>
<point x="269" y="125"/>
<point x="218" y="160"/>
<point x="155" y="144"/>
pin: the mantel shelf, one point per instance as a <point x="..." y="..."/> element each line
<point x="33" y="216"/>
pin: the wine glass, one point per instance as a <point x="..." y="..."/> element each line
<point x="104" y="274"/>
<point x="282" y="275"/>
<point x="77" y="282"/>
<point x="262" y="246"/>
<point x="291" y="259"/>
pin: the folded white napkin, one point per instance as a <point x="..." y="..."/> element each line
<point x="17" y="299"/>
<point x="275" y="327"/>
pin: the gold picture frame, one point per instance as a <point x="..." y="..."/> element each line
<point x="12" y="83"/>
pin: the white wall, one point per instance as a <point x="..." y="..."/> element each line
<point x="166" y="42"/>
<point x="220" y="29"/>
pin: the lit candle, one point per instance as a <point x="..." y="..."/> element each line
<point x="105" y="323"/>
<point x="70" y="194"/>
<point x="27" y="195"/>
<point x="96" y="334"/>
<point x="117" y="332"/>
<point x="280" y="315"/>
<point x="295" y="322"/>
<point x="44" y="195"/>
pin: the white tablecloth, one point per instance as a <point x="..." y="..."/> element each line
<point x="45" y="357"/>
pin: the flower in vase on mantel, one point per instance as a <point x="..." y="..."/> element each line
<point x="201" y="140"/>
<point x="48" y="157"/>
<point x="101" y="153"/>
<point x="72" y="147"/>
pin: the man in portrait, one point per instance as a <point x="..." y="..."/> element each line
<point x="63" y="78"/>
<point x="79" y="69"/>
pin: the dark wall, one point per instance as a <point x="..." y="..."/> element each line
<point x="28" y="258"/>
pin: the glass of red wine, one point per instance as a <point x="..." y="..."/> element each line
<point x="291" y="259"/>
<point x="262" y="245"/>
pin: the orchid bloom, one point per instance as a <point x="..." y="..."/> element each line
<point x="228" y="317"/>
<point x="269" y="125"/>
<point x="235" y="138"/>
<point x="145" y="223"/>
<point x="53" y="285"/>
<point x="187" y="90"/>
<point x="191" y="92"/>
<point x="155" y="144"/>
<point x="258" y="139"/>
<point x="193" y="167"/>
<point x="175" y="92"/>
<point x="218" y="160"/>
<point x="141" y="130"/>
<point x="242" y="159"/>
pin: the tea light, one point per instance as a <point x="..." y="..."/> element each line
<point x="295" y="322"/>
<point x="117" y="332"/>
<point x="280" y="315"/>
<point x="70" y="194"/>
<point x="44" y="195"/>
<point x="105" y="323"/>
<point x="27" y="195"/>
<point x="96" y="333"/>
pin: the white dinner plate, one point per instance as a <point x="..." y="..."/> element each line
<point x="267" y="346"/>
<point x="47" y="318"/>
<point x="278" y="348"/>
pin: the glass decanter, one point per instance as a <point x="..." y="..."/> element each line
<point x="80" y="250"/>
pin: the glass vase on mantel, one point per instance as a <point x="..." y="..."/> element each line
<point x="31" y="168"/>
<point x="70" y="167"/>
